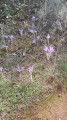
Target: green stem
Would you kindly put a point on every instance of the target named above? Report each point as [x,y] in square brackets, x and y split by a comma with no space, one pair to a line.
[31,77]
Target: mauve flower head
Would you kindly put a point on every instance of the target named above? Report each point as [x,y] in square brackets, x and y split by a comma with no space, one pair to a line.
[51,49]
[34,41]
[30,10]
[4,46]
[33,31]
[59,23]
[31,69]
[1,68]
[38,37]
[19,69]
[6,36]
[48,36]
[11,36]
[46,48]
[34,18]
[21,31]
[0,25]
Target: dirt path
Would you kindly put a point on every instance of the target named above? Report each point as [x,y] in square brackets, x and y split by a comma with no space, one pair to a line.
[53,109]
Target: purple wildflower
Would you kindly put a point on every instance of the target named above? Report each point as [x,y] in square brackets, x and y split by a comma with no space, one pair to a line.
[0,25]
[29,10]
[38,37]
[46,48]
[34,18]
[1,68]
[51,49]
[31,69]
[19,69]
[59,23]
[21,32]
[6,36]
[4,46]
[24,53]
[34,41]
[33,31]
[48,36]
[11,36]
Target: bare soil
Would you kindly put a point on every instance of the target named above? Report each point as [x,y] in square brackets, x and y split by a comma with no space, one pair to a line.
[54,108]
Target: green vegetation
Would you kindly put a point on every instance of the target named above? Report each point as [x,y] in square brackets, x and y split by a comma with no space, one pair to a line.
[33,60]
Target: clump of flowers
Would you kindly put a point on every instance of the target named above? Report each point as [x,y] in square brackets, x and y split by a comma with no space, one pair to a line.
[34,19]
[49,50]
[9,36]
[30,71]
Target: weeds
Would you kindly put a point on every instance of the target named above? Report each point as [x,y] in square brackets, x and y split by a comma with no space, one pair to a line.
[14,95]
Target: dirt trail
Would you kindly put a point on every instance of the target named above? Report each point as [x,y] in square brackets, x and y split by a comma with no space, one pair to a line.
[53,109]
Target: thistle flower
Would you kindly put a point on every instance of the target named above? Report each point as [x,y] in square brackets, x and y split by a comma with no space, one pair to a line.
[19,69]
[21,32]
[33,31]
[31,69]
[34,41]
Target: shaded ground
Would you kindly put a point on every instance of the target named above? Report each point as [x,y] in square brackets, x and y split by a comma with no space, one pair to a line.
[53,109]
